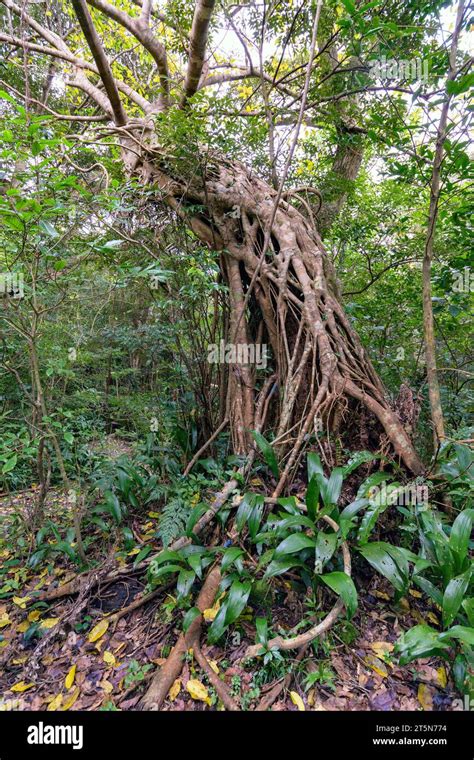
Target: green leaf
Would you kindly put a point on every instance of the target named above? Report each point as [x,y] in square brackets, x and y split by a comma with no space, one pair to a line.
[332,491]
[461,632]
[294,543]
[48,228]
[360,457]
[232,607]
[113,505]
[267,451]
[456,87]
[280,566]
[142,554]
[460,536]
[343,585]
[420,641]
[325,547]
[468,607]
[68,437]
[255,516]
[388,562]
[429,589]
[185,581]
[244,511]
[10,464]
[314,466]
[312,498]
[453,596]
[261,625]
[191,615]
[230,556]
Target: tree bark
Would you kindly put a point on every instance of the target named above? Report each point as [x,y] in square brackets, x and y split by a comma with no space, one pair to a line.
[316,356]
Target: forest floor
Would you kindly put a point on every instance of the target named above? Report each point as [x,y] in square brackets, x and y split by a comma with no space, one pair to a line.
[70,654]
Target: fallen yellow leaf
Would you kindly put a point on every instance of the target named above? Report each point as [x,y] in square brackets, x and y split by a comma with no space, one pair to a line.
[213,664]
[197,690]
[23,627]
[98,631]
[4,620]
[175,689]
[71,699]
[107,686]
[377,665]
[211,612]
[442,677]
[382,648]
[425,697]
[296,699]
[49,622]
[69,680]
[55,703]
[21,686]
[34,616]
[109,658]
[21,601]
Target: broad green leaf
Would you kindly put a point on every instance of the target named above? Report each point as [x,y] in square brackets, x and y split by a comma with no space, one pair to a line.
[312,498]
[185,581]
[267,451]
[343,585]
[420,641]
[460,537]
[10,464]
[429,589]
[325,547]
[453,596]
[230,609]
[314,465]
[461,632]
[294,543]
[386,561]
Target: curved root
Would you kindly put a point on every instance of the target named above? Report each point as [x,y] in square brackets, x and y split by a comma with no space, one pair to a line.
[306,638]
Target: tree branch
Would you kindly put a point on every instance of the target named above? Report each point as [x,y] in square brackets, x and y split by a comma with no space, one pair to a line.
[103,66]
[142,32]
[197,47]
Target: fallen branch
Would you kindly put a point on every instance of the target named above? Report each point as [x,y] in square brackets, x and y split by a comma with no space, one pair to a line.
[219,685]
[169,672]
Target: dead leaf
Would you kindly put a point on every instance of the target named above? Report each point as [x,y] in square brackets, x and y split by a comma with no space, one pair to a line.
[425,696]
[21,601]
[98,631]
[107,686]
[175,689]
[55,703]
[21,686]
[296,699]
[198,691]
[109,659]
[71,699]
[382,648]
[49,622]
[4,620]
[69,680]
[376,665]
[442,677]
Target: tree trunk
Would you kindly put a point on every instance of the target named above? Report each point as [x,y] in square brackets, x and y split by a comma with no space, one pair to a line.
[289,300]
